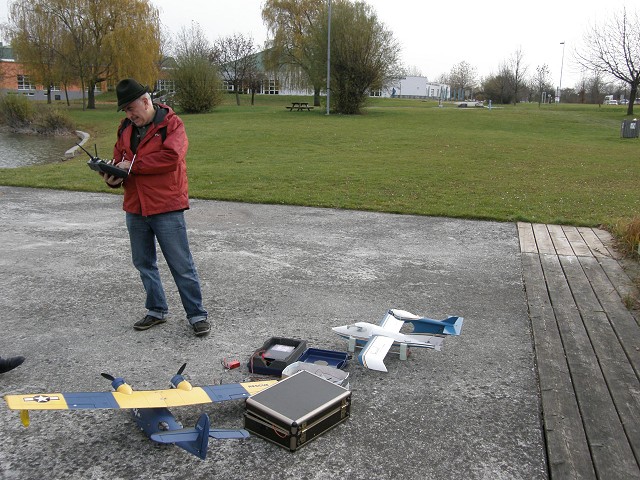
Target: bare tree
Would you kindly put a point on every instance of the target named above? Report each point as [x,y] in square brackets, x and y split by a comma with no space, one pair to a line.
[518,72]
[613,48]
[196,79]
[235,57]
[411,71]
[595,88]
[462,78]
[541,80]
[498,88]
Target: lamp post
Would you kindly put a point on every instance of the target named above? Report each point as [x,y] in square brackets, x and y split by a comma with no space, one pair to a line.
[329,58]
[561,67]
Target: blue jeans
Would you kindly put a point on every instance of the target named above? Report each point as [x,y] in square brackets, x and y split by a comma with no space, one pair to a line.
[170,230]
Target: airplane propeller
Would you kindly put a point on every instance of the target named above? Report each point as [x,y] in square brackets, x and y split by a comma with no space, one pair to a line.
[178,380]
[118,384]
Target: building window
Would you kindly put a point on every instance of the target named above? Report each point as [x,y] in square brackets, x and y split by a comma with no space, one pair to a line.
[168,86]
[375,93]
[24,83]
[227,86]
[272,87]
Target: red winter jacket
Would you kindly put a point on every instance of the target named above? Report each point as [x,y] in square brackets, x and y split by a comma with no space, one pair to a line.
[158,179]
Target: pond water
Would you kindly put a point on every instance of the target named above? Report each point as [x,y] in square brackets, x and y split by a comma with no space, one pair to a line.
[20,150]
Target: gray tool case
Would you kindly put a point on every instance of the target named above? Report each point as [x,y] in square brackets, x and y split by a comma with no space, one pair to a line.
[297,409]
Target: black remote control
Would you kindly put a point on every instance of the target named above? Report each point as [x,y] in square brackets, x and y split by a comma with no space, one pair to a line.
[99,165]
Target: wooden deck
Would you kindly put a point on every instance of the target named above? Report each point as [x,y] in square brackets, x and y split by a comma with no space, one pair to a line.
[587,346]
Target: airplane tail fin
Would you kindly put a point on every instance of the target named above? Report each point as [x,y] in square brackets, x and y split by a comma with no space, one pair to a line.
[193,440]
[454,325]
[448,326]
[199,446]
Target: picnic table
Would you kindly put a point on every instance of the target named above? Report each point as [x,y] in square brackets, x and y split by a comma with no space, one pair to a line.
[299,106]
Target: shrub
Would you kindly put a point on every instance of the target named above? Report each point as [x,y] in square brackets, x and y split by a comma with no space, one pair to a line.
[16,111]
[627,234]
[53,121]
[20,113]
[197,85]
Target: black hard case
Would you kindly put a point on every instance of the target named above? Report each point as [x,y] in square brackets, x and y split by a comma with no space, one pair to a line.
[296,410]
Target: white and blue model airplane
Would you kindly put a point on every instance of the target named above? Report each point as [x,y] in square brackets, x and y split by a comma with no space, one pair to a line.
[376,340]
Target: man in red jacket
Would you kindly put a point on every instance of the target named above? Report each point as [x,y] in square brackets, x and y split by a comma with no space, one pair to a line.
[152,146]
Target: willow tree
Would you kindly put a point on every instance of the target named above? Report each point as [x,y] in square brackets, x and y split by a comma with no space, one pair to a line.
[98,41]
[35,38]
[364,55]
[297,45]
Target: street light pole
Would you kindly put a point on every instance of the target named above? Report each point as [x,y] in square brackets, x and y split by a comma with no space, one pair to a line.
[561,67]
[329,58]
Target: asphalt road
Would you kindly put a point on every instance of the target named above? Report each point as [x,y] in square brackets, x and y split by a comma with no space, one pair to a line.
[69,297]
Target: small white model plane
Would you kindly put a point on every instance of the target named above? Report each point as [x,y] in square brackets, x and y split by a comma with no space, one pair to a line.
[376,340]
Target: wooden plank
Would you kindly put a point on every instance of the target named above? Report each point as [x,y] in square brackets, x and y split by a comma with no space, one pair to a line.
[619,278]
[578,245]
[593,242]
[567,449]
[609,243]
[543,239]
[621,379]
[559,239]
[611,453]
[527,239]
[603,275]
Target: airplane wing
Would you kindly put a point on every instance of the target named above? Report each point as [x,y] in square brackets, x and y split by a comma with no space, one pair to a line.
[173,397]
[374,351]
[391,323]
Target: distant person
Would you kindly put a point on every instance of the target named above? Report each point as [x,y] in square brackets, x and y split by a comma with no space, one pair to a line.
[10,363]
[152,145]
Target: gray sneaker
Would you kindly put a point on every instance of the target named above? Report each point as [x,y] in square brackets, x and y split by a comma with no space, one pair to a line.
[201,328]
[148,322]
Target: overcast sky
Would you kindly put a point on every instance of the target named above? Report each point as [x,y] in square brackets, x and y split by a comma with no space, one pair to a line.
[435,36]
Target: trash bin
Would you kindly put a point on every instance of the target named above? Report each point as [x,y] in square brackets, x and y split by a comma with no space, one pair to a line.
[630,128]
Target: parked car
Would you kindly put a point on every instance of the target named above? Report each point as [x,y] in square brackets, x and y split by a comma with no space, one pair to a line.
[470,103]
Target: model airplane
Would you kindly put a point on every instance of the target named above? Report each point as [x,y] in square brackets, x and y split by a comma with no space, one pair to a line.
[376,340]
[150,408]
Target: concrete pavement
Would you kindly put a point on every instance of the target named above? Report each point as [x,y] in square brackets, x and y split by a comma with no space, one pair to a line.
[69,297]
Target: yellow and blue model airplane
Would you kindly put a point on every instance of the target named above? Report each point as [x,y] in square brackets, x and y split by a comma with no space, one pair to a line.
[150,408]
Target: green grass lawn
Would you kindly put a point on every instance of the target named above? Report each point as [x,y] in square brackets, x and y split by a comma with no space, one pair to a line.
[555,164]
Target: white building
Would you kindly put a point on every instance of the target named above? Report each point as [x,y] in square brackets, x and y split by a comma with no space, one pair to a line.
[415,87]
